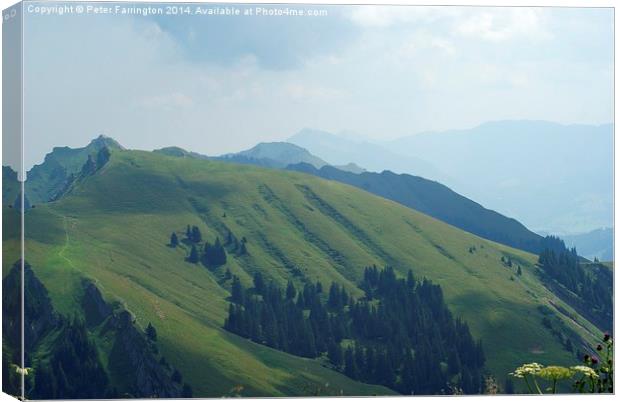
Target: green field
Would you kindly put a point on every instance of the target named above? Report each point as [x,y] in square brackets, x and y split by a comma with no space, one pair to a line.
[115,225]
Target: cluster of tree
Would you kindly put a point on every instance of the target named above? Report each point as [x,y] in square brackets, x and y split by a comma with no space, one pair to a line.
[73,369]
[400,335]
[211,255]
[592,284]
[235,245]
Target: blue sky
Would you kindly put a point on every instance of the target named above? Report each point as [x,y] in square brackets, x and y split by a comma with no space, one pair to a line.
[222,84]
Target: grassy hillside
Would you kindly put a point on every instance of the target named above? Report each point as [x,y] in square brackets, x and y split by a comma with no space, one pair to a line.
[115,225]
[436,200]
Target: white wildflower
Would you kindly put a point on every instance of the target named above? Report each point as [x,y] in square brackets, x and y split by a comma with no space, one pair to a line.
[585,370]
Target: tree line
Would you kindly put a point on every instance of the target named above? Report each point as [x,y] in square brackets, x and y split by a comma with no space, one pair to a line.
[400,334]
[593,284]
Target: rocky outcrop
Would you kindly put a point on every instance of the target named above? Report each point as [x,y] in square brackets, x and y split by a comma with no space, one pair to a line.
[39,315]
[132,349]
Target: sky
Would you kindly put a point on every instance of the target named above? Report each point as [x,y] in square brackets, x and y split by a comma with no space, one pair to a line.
[218,84]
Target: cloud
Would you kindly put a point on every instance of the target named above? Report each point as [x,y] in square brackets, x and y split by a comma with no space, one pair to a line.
[168,101]
[388,16]
[300,92]
[277,43]
[502,24]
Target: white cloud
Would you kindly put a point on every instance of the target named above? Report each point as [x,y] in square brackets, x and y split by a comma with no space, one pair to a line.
[386,16]
[503,24]
[167,101]
[302,92]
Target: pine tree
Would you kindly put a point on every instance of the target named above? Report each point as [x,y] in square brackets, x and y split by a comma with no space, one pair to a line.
[174,240]
[193,255]
[236,290]
[151,333]
[334,353]
[291,292]
[519,272]
[188,233]
[196,236]
[259,283]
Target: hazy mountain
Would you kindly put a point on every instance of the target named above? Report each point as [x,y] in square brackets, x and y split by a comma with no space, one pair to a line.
[552,177]
[598,243]
[436,200]
[342,151]
[351,167]
[275,154]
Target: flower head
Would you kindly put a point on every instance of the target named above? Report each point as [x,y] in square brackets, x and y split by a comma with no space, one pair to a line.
[555,373]
[526,369]
[585,370]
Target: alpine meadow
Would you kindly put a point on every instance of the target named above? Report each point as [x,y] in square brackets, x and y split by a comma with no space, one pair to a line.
[279,204]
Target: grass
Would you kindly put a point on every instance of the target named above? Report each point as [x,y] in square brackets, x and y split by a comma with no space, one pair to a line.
[114,227]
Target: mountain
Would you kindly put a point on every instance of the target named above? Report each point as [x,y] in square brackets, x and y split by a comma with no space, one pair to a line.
[351,167]
[551,177]
[44,181]
[598,243]
[113,229]
[275,155]
[180,153]
[436,200]
[337,150]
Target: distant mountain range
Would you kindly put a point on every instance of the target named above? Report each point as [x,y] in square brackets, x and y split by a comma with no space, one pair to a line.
[552,177]
[598,243]
[274,154]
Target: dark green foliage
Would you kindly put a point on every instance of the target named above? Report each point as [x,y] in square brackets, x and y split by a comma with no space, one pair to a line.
[187,391]
[259,283]
[237,295]
[214,254]
[74,369]
[174,240]
[592,285]
[195,235]
[151,333]
[194,257]
[176,376]
[396,317]
[227,275]
[291,292]
[103,156]
[519,271]
[509,387]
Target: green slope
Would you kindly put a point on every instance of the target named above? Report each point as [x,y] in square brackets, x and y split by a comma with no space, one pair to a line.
[114,226]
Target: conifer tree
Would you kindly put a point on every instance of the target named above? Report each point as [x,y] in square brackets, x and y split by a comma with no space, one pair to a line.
[291,292]
[174,240]
[193,255]
[196,236]
[151,333]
